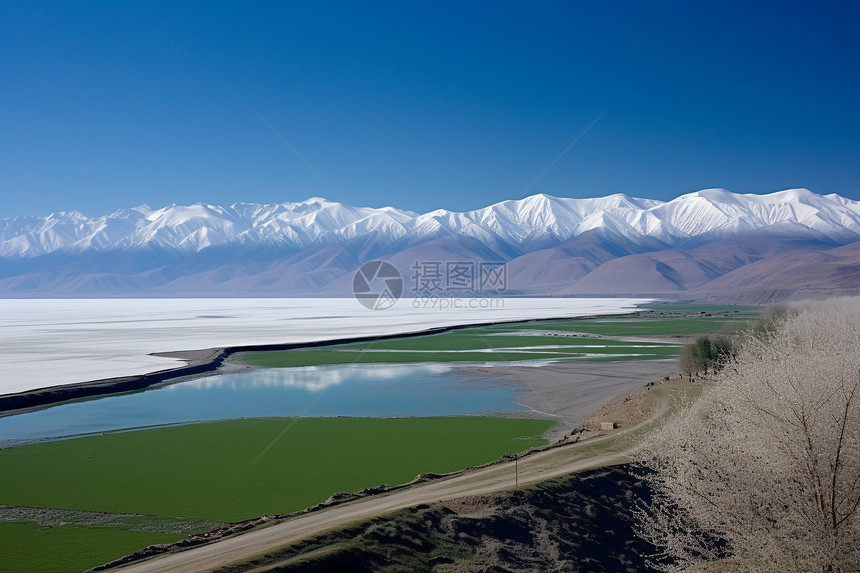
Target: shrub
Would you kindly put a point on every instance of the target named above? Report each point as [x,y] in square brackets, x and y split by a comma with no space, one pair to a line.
[706,355]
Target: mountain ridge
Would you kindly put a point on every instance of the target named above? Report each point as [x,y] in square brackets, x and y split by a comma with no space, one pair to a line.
[553,246]
[523,222]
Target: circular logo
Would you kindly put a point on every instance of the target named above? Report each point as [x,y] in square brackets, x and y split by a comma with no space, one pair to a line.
[377,285]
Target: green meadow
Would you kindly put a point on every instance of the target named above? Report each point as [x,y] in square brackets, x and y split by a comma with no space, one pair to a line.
[467,346]
[223,472]
[28,547]
[642,327]
[238,469]
[598,339]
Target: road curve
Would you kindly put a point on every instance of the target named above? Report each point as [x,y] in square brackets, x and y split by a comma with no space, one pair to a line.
[529,469]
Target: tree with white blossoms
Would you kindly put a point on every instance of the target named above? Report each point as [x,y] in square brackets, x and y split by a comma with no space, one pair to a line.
[762,472]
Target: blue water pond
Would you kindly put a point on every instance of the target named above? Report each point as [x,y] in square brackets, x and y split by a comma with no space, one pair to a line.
[338,390]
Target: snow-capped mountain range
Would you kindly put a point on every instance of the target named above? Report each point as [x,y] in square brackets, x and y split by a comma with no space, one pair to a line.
[552,245]
[539,219]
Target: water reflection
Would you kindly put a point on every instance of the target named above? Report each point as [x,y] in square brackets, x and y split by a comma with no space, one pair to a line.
[337,390]
[310,378]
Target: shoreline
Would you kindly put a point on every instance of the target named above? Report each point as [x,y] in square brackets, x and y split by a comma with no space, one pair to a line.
[571,392]
[206,361]
[64,342]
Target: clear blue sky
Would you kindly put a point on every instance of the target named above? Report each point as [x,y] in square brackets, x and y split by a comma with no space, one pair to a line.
[421,105]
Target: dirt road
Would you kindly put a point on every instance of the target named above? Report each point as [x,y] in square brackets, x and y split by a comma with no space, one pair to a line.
[527,470]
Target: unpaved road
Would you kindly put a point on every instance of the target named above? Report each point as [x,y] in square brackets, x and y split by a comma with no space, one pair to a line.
[529,469]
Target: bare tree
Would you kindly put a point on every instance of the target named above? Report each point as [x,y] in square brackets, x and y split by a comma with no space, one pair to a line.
[762,472]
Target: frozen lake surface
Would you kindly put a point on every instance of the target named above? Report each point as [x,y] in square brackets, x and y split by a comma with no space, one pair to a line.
[49,342]
[340,390]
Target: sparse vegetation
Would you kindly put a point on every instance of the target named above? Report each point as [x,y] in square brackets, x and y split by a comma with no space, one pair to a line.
[762,473]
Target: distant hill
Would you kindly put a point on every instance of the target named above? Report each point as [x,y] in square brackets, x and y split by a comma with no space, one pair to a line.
[708,245]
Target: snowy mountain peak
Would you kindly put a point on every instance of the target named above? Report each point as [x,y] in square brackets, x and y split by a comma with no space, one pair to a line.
[716,194]
[315,200]
[60,215]
[523,224]
[314,203]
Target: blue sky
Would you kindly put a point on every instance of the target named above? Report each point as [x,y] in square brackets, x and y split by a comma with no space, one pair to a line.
[423,105]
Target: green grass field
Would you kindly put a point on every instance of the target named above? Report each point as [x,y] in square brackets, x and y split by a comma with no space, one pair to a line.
[226,471]
[501,343]
[640,327]
[743,310]
[601,339]
[26,547]
[233,470]
[463,347]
